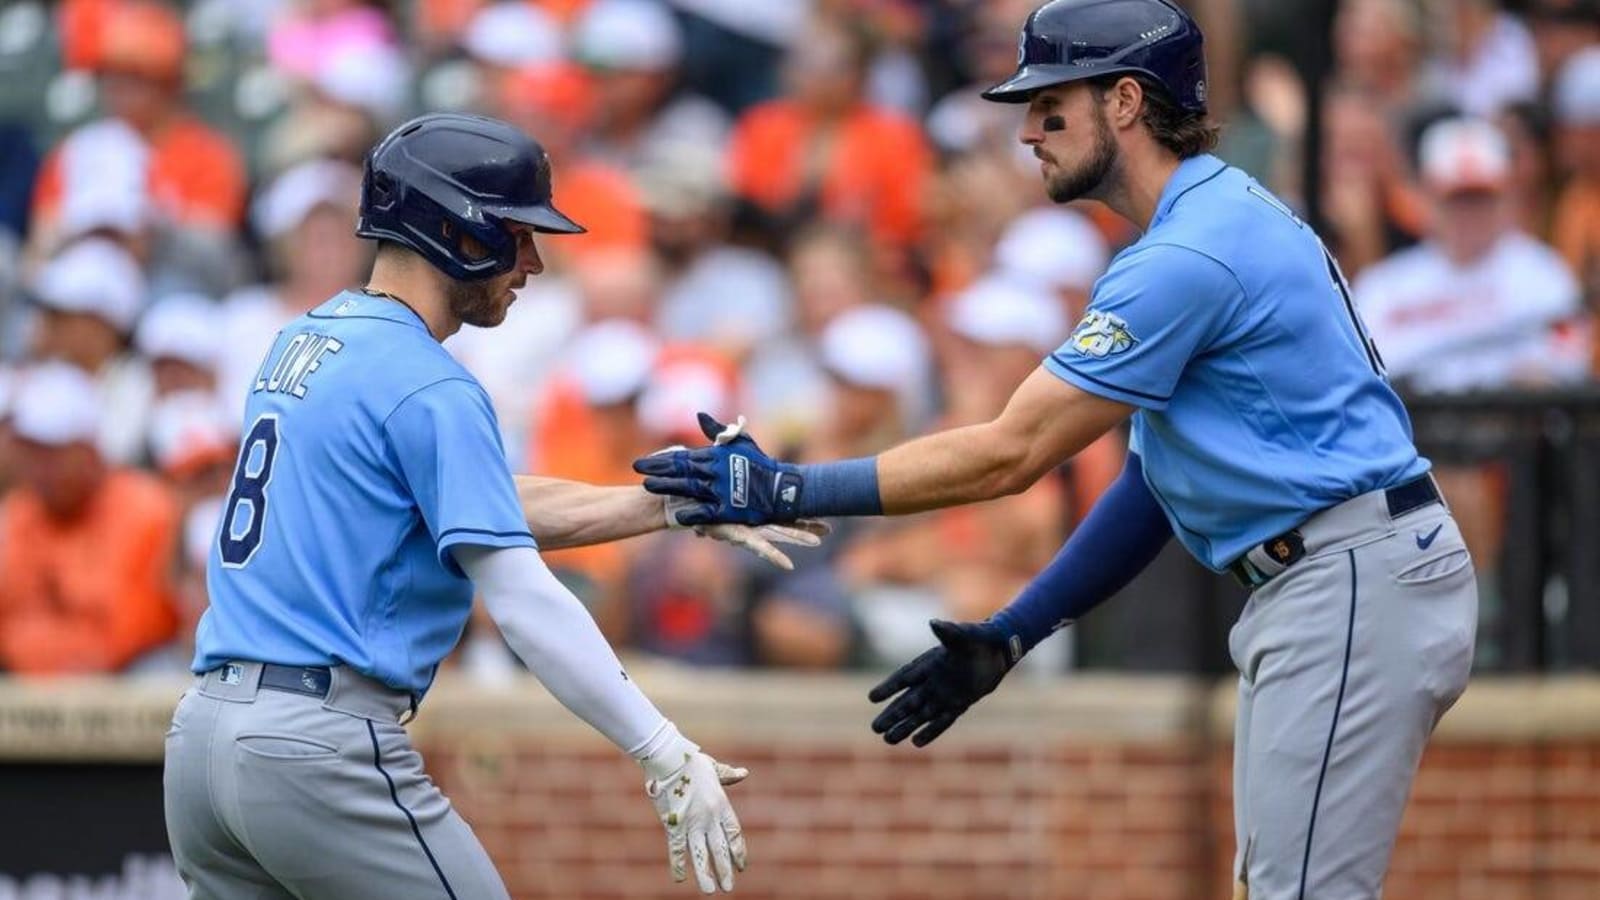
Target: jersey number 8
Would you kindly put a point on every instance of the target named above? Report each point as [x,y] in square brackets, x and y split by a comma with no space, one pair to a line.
[249,487]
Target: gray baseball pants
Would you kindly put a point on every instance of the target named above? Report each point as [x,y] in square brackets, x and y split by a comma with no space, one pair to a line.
[277,796]
[1346,662]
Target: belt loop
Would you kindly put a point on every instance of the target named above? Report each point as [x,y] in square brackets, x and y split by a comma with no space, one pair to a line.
[411,713]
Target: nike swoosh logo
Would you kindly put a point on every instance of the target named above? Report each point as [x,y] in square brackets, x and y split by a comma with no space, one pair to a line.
[1424,543]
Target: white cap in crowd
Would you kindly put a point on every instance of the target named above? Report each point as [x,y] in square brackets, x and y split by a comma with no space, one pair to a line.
[680,388]
[190,429]
[512,33]
[876,346]
[999,311]
[681,179]
[629,35]
[1055,248]
[184,327]
[56,404]
[286,202]
[104,170]
[1576,92]
[611,360]
[95,276]
[1463,155]
[374,78]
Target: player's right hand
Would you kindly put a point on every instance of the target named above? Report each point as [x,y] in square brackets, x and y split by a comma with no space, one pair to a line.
[699,819]
[942,683]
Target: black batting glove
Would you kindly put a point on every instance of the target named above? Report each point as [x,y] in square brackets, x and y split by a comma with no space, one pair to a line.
[939,685]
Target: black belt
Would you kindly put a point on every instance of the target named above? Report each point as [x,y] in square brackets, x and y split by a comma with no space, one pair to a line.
[1286,549]
[312,681]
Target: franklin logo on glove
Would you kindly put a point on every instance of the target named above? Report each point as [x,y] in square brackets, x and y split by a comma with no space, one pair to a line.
[739,473]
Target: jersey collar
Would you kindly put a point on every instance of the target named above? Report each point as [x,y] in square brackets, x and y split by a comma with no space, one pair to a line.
[1190,173]
[358,305]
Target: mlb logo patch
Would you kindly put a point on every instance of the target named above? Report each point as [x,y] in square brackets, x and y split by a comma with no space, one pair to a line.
[232,673]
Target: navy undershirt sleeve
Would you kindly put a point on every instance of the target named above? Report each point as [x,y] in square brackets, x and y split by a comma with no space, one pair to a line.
[1120,536]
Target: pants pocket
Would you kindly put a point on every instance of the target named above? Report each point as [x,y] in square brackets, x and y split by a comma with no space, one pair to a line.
[1435,568]
[290,747]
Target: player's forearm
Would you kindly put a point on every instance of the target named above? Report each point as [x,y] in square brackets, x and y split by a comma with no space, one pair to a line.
[550,631]
[1125,531]
[1043,425]
[564,513]
[963,465]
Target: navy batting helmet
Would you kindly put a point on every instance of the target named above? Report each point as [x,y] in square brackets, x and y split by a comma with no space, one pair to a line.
[442,176]
[1068,40]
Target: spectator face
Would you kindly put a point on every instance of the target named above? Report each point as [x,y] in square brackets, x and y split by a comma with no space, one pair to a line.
[1375,43]
[174,375]
[323,251]
[64,477]
[991,48]
[859,411]
[83,339]
[618,284]
[136,99]
[1005,365]
[627,97]
[1356,139]
[824,71]
[830,276]
[1469,222]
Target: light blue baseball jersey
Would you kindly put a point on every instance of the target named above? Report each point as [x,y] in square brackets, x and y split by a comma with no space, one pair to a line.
[368,453]
[1261,398]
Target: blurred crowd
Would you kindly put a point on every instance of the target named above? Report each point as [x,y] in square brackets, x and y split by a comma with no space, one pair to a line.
[798,210]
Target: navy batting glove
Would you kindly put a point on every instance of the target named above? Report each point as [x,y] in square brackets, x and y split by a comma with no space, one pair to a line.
[734,480]
[941,684]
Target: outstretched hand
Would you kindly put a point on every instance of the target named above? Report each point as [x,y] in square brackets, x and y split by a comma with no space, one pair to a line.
[731,481]
[938,686]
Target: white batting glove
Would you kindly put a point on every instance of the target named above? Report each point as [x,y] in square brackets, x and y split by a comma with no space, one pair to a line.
[686,787]
[760,539]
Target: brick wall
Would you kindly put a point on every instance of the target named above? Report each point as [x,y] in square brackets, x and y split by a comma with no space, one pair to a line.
[1088,788]
[1099,790]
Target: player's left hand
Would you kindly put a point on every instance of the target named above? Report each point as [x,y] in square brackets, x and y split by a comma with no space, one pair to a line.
[731,481]
[942,683]
[700,822]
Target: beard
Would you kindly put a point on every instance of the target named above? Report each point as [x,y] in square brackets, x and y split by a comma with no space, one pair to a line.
[476,302]
[1067,185]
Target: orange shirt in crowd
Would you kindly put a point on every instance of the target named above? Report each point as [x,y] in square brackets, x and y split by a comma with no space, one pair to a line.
[567,441]
[196,177]
[874,172]
[89,596]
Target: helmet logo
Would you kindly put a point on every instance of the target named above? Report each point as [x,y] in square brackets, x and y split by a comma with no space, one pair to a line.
[1022,47]
[1155,32]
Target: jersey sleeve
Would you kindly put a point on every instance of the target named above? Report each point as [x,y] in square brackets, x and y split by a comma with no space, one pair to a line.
[446,445]
[1156,309]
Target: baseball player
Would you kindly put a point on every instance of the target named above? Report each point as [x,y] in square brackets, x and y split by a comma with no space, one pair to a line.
[1265,437]
[371,497]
